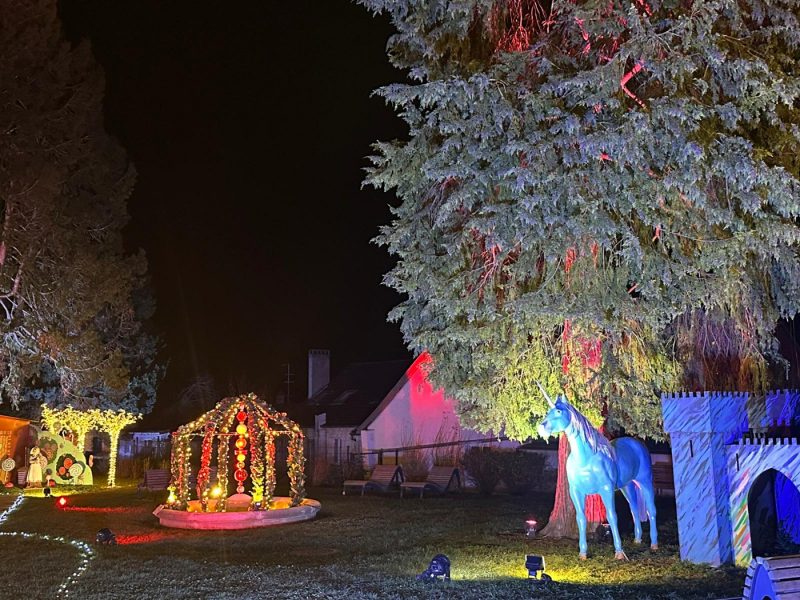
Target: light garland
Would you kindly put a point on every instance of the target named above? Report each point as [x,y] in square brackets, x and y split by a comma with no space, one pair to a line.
[80,422]
[240,475]
[248,421]
[113,422]
[85,551]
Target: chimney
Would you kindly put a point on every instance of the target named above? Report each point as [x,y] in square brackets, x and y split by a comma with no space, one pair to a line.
[319,370]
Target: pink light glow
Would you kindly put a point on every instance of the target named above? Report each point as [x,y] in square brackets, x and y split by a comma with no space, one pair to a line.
[143,538]
[104,509]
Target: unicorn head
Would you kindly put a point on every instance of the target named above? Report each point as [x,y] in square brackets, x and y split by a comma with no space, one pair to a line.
[557,418]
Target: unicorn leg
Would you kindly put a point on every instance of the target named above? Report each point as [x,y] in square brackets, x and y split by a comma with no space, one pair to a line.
[607,495]
[650,503]
[629,491]
[579,501]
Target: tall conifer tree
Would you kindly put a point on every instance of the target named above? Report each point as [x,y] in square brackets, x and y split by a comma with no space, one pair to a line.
[71,300]
[592,194]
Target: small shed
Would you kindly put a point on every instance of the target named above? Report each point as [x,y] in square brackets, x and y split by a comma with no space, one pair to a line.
[15,437]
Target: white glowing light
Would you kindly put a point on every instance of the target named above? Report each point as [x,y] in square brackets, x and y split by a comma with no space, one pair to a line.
[85,551]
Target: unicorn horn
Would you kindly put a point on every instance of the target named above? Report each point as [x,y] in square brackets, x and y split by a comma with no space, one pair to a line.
[546,397]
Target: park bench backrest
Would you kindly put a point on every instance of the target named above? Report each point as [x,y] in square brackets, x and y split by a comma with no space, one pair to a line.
[663,477]
[156,479]
[386,474]
[442,476]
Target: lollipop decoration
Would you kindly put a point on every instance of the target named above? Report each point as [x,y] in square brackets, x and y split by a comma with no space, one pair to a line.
[240,475]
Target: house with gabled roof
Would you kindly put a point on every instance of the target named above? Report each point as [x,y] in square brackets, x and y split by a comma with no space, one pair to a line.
[374,406]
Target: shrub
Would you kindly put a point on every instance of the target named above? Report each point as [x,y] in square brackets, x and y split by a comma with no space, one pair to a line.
[449,455]
[521,472]
[133,467]
[415,461]
[333,475]
[481,466]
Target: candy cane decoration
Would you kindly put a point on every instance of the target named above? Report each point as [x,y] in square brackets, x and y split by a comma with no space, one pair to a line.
[626,78]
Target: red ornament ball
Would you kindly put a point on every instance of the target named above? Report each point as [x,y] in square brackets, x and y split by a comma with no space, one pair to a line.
[241,443]
[240,475]
[241,416]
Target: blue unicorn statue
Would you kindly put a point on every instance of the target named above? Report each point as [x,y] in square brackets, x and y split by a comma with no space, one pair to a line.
[597,466]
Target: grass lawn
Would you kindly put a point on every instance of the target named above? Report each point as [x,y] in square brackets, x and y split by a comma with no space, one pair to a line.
[369,547]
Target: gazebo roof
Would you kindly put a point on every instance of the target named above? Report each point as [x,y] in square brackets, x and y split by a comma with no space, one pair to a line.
[227,408]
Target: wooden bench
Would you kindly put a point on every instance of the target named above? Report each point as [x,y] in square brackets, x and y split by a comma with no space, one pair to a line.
[663,478]
[437,481]
[382,478]
[155,480]
[775,578]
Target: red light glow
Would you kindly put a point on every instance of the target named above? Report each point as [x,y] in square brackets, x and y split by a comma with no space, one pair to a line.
[104,509]
[62,501]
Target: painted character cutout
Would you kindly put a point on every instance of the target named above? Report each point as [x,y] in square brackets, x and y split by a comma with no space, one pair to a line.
[34,477]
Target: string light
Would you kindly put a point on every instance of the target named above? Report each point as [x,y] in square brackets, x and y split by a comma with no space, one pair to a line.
[80,422]
[113,422]
[84,550]
[253,426]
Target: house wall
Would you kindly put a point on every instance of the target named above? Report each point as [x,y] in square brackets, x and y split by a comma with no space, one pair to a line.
[326,446]
[417,415]
[156,443]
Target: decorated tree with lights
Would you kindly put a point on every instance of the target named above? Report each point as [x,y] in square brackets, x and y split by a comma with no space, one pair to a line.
[112,422]
[70,314]
[78,422]
[595,195]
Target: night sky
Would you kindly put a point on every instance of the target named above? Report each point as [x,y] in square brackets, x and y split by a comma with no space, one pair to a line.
[249,124]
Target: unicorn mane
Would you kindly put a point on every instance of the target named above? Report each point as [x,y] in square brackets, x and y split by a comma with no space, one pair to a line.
[584,429]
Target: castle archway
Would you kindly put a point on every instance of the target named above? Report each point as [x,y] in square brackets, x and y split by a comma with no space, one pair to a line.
[773,505]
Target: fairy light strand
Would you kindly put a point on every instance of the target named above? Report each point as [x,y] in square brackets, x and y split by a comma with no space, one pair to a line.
[85,551]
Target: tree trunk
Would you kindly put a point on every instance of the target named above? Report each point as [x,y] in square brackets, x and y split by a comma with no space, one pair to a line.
[562,520]
[595,512]
[112,458]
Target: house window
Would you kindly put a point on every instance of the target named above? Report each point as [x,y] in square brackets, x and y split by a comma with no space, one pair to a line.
[337,451]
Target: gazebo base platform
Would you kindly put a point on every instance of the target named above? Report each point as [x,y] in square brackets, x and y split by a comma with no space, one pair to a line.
[281,513]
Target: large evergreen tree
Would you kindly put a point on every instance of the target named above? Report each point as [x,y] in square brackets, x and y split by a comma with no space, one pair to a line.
[595,194]
[71,300]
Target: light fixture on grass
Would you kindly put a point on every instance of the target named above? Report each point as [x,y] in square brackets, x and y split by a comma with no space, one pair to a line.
[535,566]
[531,527]
[106,536]
[603,532]
[439,567]
[46,491]
[62,502]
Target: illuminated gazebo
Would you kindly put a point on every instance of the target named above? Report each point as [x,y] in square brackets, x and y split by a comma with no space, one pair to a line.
[238,446]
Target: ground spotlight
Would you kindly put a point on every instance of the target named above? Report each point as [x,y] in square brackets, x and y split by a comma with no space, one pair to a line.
[603,532]
[535,566]
[46,491]
[531,527]
[106,536]
[62,501]
[439,567]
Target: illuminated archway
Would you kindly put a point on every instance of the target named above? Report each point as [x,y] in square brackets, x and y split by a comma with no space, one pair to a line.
[244,429]
[772,505]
